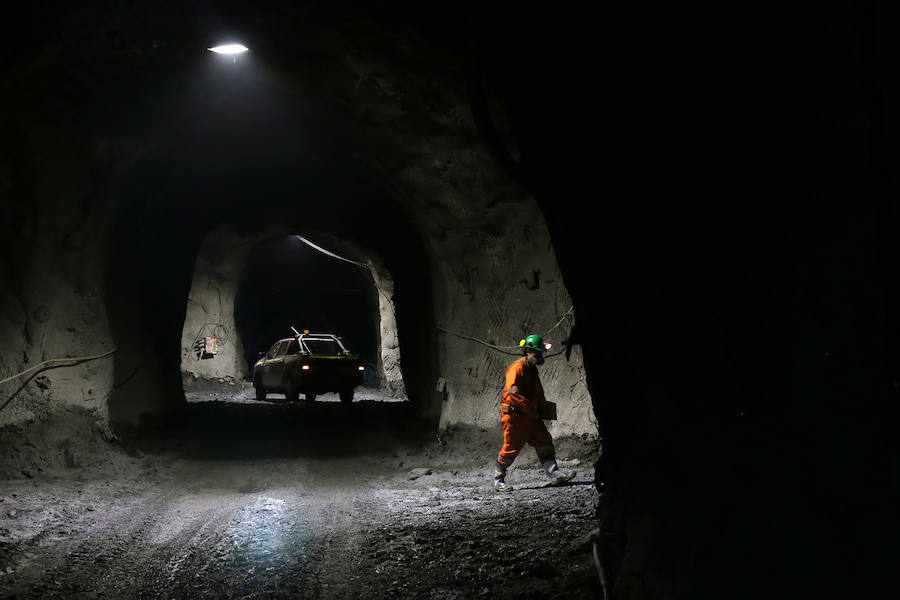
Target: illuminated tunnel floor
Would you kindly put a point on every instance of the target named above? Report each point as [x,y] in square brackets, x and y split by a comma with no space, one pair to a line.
[297,519]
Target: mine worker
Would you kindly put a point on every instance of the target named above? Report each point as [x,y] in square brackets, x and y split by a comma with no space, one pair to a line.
[522,410]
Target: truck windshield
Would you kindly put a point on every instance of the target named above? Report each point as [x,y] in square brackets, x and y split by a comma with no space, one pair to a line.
[323,347]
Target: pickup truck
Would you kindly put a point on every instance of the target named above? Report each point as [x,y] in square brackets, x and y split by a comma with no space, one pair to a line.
[308,363]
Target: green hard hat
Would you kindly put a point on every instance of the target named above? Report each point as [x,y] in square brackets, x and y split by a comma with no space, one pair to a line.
[534,342]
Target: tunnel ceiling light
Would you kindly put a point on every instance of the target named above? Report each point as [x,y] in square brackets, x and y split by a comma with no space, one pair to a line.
[229,49]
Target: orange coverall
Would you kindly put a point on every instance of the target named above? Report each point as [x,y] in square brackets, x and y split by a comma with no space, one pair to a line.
[522,395]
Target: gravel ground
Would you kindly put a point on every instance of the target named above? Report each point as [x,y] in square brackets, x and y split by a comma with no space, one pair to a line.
[249,499]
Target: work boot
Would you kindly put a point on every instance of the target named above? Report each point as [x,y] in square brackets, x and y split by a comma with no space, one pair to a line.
[500,484]
[557,476]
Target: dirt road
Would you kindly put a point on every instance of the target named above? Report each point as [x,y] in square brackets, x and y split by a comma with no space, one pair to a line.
[232,506]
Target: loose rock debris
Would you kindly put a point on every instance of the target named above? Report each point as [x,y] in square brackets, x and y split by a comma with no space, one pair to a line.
[187,524]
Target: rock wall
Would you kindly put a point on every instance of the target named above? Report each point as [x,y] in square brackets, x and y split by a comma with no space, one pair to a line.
[495,278]
[490,262]
[51,284]
[210,308]
[389,360]
[499,300]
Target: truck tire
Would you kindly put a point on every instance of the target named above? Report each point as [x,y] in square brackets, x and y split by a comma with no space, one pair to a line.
[260,390]
[346,396]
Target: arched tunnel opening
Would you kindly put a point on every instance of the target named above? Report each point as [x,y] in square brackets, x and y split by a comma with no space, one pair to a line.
[290,284]
[696,209]
[254,381]
[247,294]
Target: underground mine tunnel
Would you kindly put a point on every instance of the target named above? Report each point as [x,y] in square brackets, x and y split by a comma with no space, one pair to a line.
[697,208]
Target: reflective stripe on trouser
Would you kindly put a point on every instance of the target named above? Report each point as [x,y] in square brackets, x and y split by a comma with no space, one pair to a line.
[519,430]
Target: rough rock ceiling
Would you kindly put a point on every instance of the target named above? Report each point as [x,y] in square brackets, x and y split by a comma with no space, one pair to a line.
[364,96]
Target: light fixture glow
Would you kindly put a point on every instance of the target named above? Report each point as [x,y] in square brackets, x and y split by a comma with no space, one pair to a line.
[229,49]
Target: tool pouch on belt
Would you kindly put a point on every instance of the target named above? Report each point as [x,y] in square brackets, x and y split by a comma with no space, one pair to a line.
[547,410]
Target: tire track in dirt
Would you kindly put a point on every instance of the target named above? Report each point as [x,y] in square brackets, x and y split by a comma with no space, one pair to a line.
[92,555]
[295,528]
[338,573]
[266,547]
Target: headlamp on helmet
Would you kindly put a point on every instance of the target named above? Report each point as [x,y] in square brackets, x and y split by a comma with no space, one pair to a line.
[534,342]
